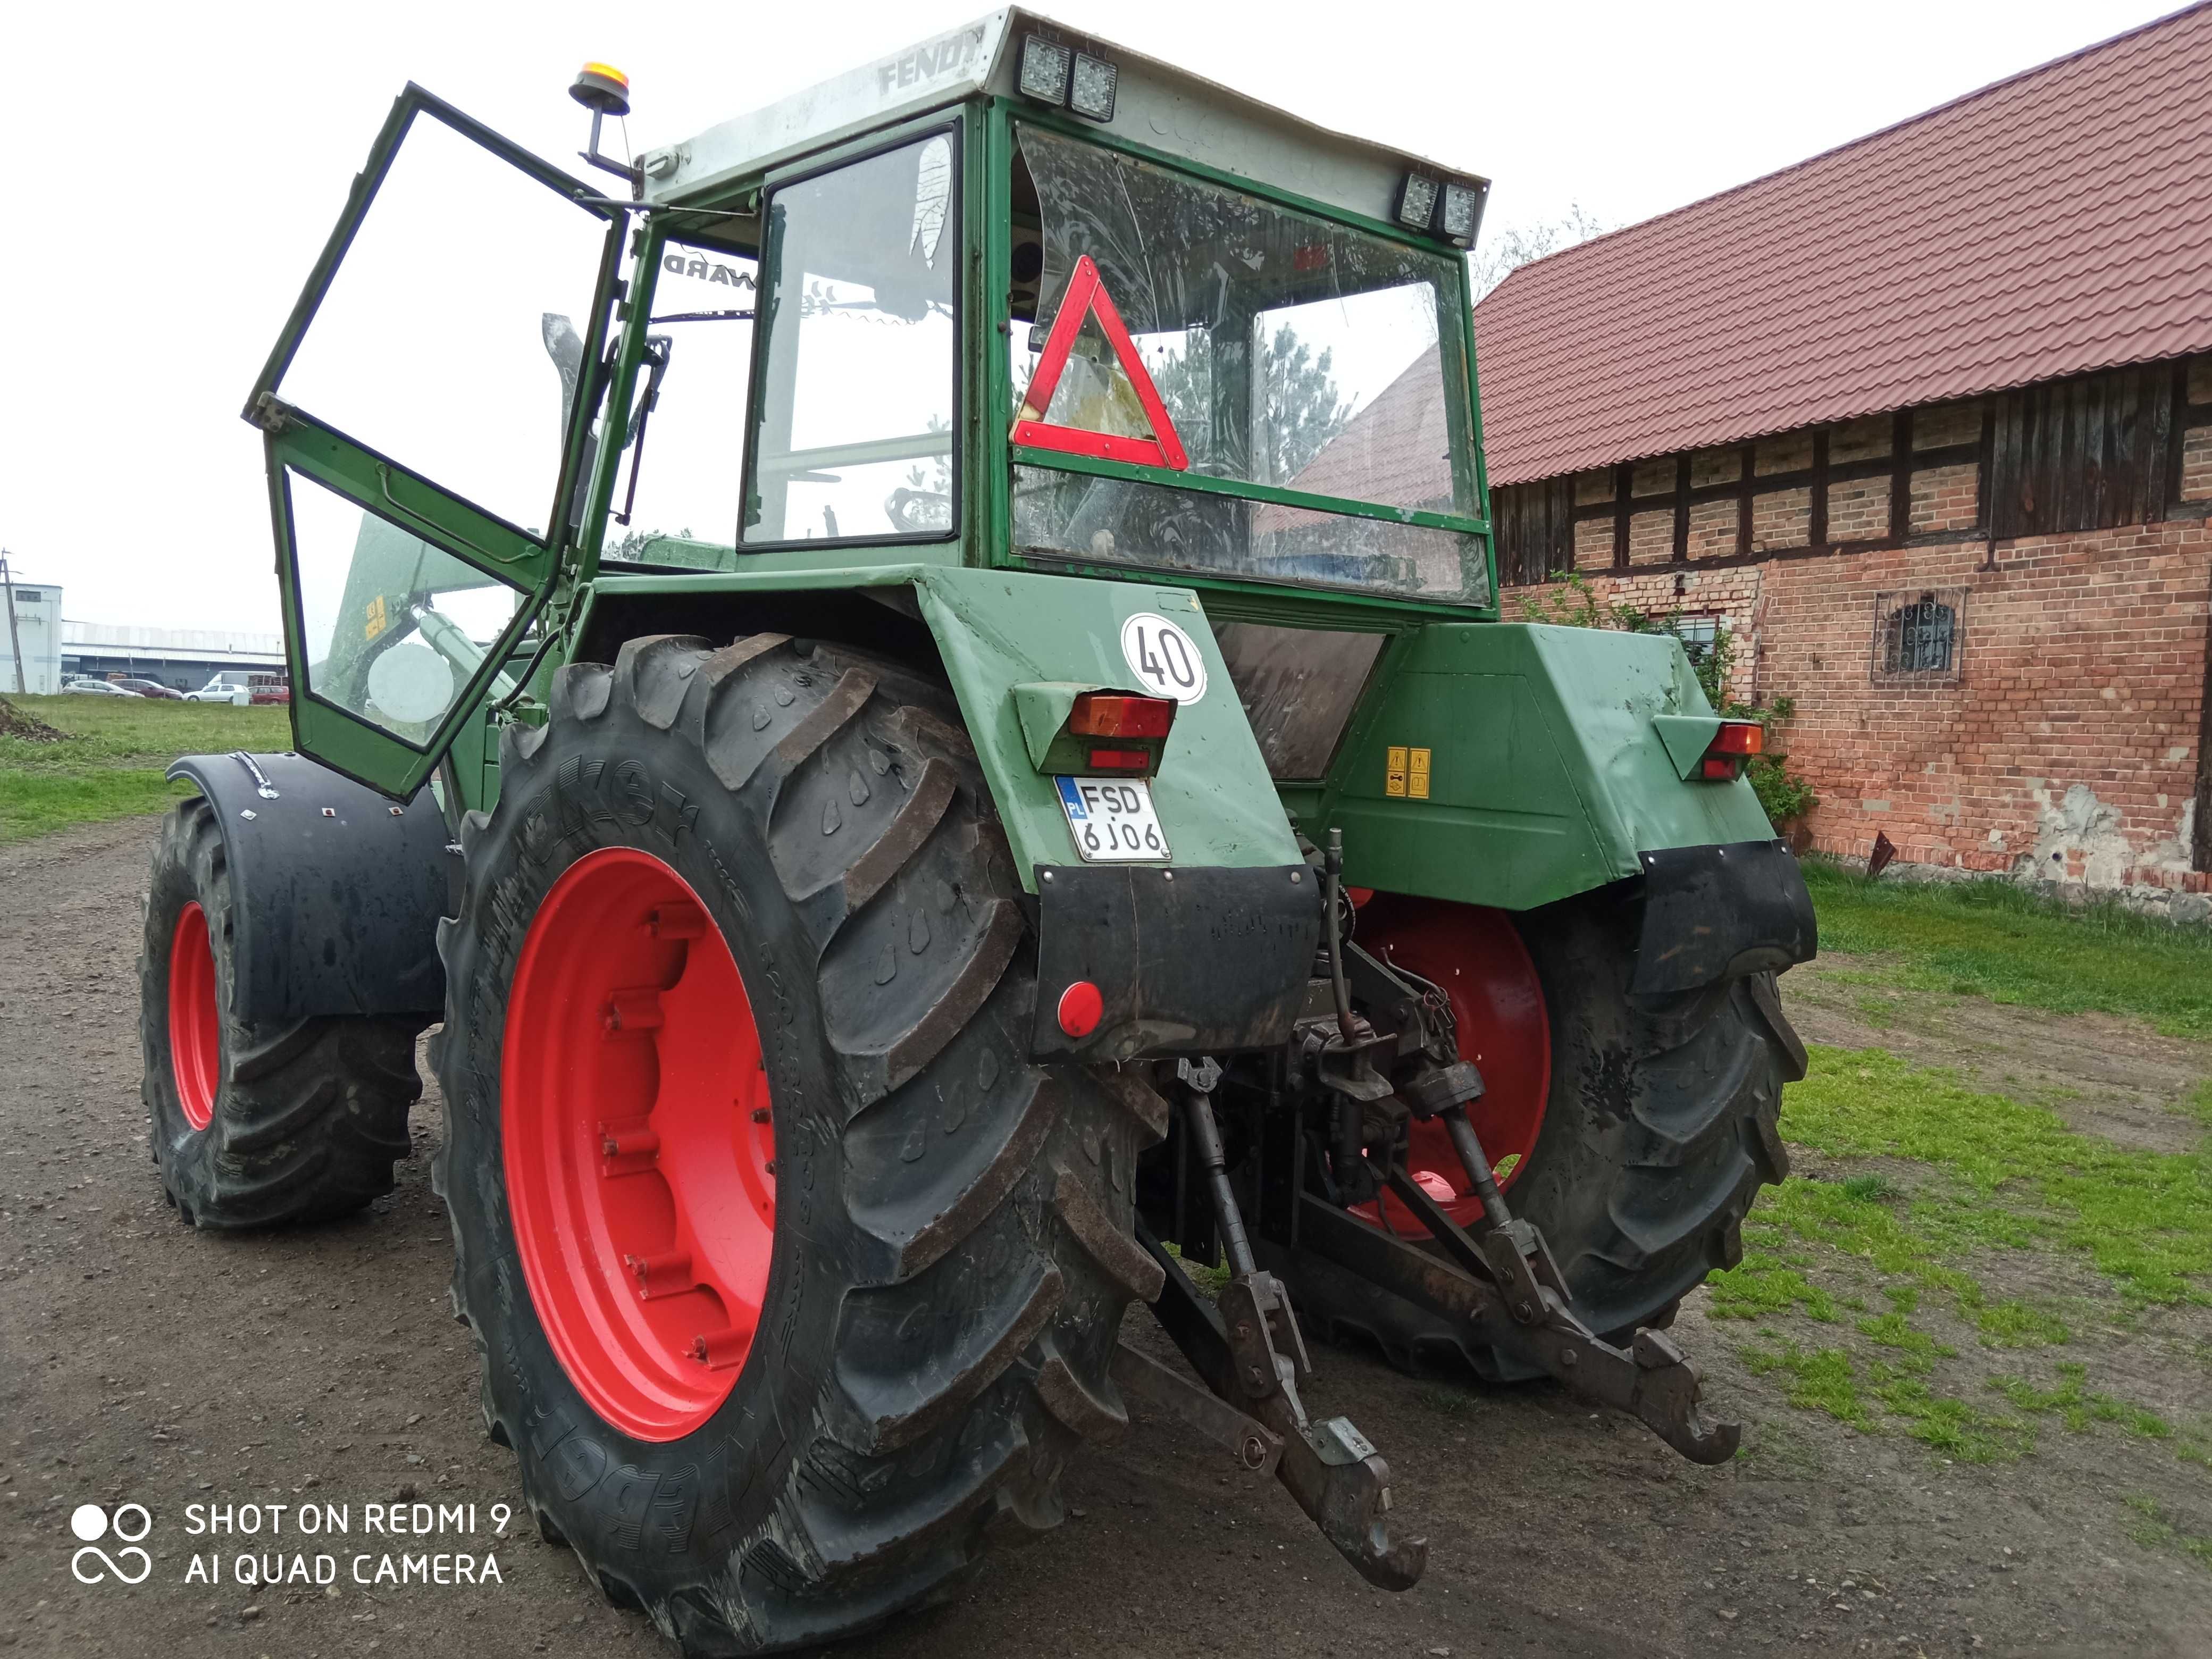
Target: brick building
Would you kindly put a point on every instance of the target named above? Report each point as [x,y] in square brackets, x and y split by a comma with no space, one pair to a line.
[1926,421]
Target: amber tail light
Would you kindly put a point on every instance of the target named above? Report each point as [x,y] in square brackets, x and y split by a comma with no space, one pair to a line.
[1116,714]
[1734,743]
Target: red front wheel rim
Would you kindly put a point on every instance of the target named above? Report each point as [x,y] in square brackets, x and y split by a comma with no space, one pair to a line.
[1476,956]
[195,1020]
[639,1148]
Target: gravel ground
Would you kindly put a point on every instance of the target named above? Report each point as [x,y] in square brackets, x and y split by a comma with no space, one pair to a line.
[142,1362]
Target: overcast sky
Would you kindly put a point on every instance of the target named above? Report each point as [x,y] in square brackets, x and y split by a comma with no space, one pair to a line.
[216,142]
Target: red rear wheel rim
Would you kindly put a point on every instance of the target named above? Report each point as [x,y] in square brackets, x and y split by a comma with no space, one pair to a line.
[195,1022]
[1475,954]
[640,1154]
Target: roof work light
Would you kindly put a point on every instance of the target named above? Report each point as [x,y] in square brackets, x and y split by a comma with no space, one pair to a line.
[1449,208]
[1067,79]
[1091,93]
[1417,201]
[1461,215]
[1045,66]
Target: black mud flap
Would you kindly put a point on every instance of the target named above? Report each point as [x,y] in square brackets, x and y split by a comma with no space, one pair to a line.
[1717,912]
[1185,961]
[338,892]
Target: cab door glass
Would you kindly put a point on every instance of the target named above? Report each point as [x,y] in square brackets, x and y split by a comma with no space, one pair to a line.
[434,345]
[390,628]
[857,391]
[678,492]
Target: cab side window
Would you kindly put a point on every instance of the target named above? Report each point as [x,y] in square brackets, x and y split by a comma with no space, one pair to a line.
[857,393]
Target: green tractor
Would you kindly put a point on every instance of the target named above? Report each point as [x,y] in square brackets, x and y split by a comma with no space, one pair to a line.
[950,757]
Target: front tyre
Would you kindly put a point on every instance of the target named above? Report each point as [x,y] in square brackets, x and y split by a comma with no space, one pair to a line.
[254,1123]
[794,1279]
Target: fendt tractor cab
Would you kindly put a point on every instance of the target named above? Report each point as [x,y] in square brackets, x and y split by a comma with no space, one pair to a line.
[919,685]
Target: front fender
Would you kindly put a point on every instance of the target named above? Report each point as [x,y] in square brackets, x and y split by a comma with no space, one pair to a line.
[336,893]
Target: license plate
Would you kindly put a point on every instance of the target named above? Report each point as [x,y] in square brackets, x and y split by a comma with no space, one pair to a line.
[1112,820]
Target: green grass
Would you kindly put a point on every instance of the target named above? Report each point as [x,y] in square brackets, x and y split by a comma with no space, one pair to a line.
[2153,1531]
[2078,1406]
[1994,939]
[110,765]
[1207,1278]
[2016,1176]
[37,803]
[1978,1172]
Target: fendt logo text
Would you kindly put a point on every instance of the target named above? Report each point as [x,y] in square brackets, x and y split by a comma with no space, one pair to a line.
[91,1524]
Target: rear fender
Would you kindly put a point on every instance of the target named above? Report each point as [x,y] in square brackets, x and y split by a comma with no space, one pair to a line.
[1205,950]
[997,629]
[336,892]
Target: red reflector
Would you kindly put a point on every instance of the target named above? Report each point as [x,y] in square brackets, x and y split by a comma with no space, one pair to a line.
[1738,737]
[1111,714]
[1718,767]
[1120,760]
[1081,1006]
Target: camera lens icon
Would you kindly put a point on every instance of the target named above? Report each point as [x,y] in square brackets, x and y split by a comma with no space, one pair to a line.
[90,1522]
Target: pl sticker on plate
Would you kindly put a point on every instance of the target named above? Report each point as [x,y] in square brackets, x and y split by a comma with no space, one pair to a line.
[1163,657]
[1112,820]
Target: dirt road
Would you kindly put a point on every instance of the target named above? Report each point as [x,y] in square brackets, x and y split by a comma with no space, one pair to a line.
[142,1362]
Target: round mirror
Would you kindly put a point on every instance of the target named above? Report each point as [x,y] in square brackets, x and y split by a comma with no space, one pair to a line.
[410,683]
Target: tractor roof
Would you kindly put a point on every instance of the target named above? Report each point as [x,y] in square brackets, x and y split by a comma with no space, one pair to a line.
[1155,105]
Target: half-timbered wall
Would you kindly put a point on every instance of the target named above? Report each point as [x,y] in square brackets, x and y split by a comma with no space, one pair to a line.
[1994,615]
[2133,446]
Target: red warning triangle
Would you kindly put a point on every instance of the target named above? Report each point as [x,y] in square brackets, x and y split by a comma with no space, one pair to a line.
[1086,296]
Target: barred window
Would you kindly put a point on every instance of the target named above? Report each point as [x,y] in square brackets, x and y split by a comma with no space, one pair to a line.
[1697,634]
[1917,637]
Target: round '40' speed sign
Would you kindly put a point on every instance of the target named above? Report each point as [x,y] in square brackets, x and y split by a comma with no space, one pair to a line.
[1165,659]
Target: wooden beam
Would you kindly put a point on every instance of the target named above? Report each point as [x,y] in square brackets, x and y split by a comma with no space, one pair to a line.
[1838,472]
[1816,531]
[2178,422]
[1900,476]
[1682,507]
[1985,470]
[1623,509]
[1745,490]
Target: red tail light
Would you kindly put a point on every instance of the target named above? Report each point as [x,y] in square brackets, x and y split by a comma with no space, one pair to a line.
[1738,737]
[1120,760]
[1113,714]
[1725,754]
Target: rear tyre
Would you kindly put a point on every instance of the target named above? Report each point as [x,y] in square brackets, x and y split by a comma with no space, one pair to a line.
[254,1123]
[1658,1129]
[948,1248]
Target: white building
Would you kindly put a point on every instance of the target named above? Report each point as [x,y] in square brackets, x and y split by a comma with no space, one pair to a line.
[184,658]
[38,626]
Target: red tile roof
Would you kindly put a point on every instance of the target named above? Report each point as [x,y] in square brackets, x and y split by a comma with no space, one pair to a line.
[2054,223]
[1396,451]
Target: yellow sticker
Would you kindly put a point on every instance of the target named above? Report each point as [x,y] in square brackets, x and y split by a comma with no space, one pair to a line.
[1417,783]
[1394,770]
[378,619]
[1417,759]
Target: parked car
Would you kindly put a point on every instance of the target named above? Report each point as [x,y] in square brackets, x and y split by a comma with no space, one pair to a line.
[85,685]
[232,685]
[150,688]
[269,689]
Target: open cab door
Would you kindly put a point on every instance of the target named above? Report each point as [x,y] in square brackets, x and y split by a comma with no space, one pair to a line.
[424,412]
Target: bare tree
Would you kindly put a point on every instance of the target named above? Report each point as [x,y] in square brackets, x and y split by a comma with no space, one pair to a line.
[1505,251]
